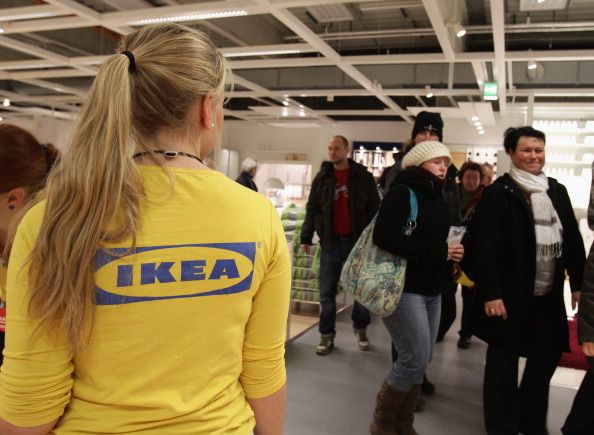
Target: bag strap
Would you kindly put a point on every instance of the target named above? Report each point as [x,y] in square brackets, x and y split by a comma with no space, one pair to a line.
[411,221]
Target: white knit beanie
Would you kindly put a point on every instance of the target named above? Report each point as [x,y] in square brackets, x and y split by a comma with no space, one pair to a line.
[424,151]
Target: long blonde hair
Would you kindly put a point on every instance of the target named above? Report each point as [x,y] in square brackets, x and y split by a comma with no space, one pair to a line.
[93,195]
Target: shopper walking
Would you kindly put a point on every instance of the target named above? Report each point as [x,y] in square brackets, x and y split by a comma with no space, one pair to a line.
[249,167]
[24,165]
[137,301]
[429,127]
[470,189]
[342,201]
[524,239]
[413,326]
[580,420]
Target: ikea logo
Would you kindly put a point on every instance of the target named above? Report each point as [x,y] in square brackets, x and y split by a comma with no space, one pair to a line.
[171,272]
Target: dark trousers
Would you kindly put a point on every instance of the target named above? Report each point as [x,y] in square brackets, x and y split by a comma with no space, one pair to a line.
[448,310]
[468,312]
[509,409]
[580,420]
[331,261]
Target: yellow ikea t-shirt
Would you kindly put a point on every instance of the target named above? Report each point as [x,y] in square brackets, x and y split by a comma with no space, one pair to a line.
[185,328]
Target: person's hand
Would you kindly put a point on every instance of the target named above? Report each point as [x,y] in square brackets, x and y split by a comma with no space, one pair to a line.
[496,308]
[456,271]
[588,348]
[306,248]
[575,299]
[455,253]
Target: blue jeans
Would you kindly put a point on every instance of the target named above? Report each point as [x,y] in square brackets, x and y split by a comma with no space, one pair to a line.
[413,328]
[331,261]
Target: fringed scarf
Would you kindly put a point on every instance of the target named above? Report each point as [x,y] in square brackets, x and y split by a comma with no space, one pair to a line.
[547,226]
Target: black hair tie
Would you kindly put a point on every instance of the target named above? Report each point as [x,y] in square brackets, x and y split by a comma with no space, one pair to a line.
[132,60]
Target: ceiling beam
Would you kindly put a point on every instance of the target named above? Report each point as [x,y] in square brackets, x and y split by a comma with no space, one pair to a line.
[93,17]
[299,28]
[30,12]
[480,72]
[280,98]
[56,87]
[498,22]
[40,52]
[441,32]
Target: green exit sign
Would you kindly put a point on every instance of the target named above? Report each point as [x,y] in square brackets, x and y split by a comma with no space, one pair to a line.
[490,91]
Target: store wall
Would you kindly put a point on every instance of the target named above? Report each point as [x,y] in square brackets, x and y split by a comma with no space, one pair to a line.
[47,130]
[266,143]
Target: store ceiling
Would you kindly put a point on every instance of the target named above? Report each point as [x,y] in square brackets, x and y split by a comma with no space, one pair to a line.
[298,61]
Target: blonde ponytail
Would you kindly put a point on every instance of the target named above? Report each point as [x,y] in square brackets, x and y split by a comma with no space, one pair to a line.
[93,195]
[89,189]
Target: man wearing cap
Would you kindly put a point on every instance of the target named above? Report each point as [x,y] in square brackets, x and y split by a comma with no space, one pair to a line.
[342,201]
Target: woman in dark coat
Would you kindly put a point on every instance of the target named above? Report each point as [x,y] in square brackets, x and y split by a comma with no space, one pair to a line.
[413,326]
[524,239]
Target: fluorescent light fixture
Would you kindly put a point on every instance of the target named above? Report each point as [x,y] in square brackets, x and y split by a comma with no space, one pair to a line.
[189,17]
[263,53]
[532,65]
[6,102]
[429,93]
[481,132]
[458,30]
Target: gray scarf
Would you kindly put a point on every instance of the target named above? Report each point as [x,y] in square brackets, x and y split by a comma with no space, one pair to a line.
[547,226]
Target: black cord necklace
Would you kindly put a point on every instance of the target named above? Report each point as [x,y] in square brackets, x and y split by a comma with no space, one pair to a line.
[169,154]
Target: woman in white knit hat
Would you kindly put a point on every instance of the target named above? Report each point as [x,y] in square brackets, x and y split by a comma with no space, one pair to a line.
[414,325]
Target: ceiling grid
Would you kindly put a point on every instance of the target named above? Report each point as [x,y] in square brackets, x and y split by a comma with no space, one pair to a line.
[318,60]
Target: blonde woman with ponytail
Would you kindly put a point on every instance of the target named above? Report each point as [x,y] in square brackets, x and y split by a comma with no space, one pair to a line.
[147,294]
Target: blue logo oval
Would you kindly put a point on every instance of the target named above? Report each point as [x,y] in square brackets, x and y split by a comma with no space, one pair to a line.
[152,273]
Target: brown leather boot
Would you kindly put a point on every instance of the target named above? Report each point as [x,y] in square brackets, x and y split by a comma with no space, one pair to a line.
[405,414]
[386,405]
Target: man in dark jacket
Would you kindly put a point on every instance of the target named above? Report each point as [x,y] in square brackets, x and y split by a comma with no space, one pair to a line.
[342,201]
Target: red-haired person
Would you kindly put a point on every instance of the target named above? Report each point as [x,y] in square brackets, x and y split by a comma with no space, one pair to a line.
[24,165]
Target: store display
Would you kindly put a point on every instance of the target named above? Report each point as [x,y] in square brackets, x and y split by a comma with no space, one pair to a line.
[304,287]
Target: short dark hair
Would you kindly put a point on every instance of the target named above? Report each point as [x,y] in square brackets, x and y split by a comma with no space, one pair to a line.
[344,140]
[470,166]
[513,134]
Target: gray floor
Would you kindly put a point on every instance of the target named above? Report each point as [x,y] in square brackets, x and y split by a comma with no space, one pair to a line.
[335,394]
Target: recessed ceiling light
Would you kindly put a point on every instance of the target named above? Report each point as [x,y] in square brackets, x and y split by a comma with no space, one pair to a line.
[475,118]
[6,102]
